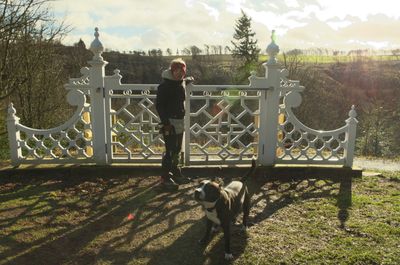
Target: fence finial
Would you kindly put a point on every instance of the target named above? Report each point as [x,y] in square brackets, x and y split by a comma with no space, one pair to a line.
[12,112]
[96,46]
[352,115]
[352,112]
[272,49]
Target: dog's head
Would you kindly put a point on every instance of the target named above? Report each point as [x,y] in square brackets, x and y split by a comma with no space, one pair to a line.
[207,192]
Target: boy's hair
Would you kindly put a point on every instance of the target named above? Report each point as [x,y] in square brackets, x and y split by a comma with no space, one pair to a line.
[178,63]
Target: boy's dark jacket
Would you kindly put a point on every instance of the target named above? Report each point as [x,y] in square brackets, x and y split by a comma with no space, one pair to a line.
[170,98]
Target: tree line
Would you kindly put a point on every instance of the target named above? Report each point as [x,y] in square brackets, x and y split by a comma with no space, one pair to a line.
[188,51]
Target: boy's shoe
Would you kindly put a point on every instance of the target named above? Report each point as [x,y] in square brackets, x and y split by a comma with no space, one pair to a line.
[168,182]
[179,178]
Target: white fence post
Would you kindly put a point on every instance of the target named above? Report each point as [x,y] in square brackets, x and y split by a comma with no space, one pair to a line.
[269,108]
[262,130]
[13,135]
[98,112]
[350,137]
[186,140]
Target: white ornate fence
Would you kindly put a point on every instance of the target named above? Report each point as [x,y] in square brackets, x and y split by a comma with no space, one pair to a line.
[224,124]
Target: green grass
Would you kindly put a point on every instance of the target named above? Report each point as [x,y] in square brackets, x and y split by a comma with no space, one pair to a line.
[83,220]
[334,59]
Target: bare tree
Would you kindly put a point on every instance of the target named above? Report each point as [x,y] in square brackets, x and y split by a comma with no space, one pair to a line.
[207,48]
[186,51]
[219,49]
[227,49]
[19,20]
[214,49]
[30,72]
[396,52]
[195,50]
[293,63]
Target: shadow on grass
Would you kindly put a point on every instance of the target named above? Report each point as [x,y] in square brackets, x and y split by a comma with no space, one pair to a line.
[186,250]
[276,194]
[344,201]
[83,220]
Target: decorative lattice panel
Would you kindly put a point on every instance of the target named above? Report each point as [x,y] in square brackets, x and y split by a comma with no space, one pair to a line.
[299,144]
[133,124]
[223,125]
[67,143]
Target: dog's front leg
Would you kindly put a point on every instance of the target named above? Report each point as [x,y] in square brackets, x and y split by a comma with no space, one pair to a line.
[227,237]
[207,233]
[246,211]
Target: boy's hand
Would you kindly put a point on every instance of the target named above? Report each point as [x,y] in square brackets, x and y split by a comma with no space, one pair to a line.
[189,79]
[167,129]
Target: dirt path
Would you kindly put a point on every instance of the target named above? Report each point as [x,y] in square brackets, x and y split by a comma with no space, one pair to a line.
[377,164]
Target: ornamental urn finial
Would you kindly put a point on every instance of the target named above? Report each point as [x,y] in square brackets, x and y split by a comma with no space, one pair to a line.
[96,46]
[352,112]
[272,49]
[12,113]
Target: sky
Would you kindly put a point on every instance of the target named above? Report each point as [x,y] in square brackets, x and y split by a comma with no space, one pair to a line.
[127,25]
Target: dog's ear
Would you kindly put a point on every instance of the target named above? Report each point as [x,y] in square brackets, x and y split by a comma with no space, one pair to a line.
[218,180]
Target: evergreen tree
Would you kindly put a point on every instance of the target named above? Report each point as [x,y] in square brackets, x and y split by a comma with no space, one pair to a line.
[245,46]
[81,44]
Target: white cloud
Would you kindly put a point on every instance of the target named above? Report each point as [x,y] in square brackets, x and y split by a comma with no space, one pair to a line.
[234,6]
[280,22]
[292,3]
[361,9]
[142,25]
[213,12]
[374,44]
[336,25]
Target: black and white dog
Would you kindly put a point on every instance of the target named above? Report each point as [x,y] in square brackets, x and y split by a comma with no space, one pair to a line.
[222,203]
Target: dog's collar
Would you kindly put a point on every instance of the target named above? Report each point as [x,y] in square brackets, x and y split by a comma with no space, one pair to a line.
[213,208]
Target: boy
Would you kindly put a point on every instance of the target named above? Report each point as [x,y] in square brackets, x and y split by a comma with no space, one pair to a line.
[171,110]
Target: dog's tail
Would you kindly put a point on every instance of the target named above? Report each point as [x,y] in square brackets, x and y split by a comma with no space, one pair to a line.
[251,170]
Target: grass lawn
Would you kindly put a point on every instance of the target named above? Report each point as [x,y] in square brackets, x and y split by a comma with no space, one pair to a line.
[84,220]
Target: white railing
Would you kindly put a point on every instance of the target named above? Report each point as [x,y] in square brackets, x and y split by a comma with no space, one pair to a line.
[300,144]
[224,124]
